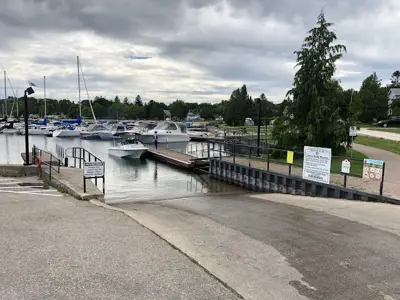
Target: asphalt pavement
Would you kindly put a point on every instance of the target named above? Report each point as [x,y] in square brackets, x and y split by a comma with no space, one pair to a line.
[56,247]
[285,247]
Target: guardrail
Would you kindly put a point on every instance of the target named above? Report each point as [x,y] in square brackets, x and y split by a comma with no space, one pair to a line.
[270,155]
[81,158]
[46,158]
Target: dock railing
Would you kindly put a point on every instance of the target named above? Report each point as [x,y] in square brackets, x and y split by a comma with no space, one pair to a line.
[271,157]
[45,158]
[80,156]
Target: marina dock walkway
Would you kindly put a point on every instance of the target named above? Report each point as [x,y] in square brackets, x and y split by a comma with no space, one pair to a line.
[55,247]
[175,158]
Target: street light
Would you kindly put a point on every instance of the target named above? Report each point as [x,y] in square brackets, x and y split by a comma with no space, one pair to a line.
[259,126]
[28,91]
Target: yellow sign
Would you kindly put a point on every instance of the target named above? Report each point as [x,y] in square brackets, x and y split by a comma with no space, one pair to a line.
[289,158]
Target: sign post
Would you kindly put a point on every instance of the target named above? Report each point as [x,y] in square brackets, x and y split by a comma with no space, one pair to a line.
[345,170]
[352,133]
[317,164]
[289,160]
[374,170]
[93,170]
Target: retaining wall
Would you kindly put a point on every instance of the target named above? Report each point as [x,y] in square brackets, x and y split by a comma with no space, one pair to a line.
[17,171]
[271,182]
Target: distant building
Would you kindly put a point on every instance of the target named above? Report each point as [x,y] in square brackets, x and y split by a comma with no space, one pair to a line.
[394,93]
[193,117]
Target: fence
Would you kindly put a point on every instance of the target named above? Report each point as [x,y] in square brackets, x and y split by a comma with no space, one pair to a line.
[81,156]
[47,159]
[275,160]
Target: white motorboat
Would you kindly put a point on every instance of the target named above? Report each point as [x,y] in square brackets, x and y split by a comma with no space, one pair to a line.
[67,132]
[130,148]
[96,132]
[9,128]
[37,130]
[167,132]
[198,135]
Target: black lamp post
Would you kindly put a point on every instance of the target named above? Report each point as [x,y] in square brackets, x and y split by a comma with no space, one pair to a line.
[28,91]
[258,125]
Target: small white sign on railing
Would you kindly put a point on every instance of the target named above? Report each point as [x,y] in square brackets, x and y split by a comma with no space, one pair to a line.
[93,169]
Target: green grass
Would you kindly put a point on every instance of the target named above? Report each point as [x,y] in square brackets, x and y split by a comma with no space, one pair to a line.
[383,144]
[336,164]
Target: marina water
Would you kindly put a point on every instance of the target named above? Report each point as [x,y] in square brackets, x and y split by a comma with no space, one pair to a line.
[126,180]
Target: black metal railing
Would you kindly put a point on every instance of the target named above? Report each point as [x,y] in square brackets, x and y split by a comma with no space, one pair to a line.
[80,156]
[270,157]
[44,158]
[60,152]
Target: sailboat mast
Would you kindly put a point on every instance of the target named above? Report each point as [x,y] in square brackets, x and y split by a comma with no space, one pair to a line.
[16,95]
[79,88]
[44,86]
[5,94]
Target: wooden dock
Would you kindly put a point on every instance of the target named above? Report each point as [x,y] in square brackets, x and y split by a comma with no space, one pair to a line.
[176,158]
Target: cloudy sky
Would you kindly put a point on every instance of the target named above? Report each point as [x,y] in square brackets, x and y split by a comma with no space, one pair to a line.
[201,49]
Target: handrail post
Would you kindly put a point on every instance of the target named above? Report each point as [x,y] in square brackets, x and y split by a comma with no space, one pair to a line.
[383,178]
[51,158]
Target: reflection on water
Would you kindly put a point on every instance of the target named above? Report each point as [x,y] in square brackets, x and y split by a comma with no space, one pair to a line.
[126,180]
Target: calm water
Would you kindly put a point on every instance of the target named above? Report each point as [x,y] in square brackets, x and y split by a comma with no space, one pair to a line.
[126,180]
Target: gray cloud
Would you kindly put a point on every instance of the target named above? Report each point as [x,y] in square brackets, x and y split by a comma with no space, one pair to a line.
[216,43]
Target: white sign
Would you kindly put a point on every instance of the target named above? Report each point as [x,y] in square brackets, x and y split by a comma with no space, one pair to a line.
[346,166]
[93,169]
[317,164]
[353,131]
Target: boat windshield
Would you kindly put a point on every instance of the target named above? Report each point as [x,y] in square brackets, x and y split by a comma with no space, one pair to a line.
[166,126]
[129,141]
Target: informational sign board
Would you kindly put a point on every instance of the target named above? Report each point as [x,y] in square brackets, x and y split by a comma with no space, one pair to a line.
[317,164]
[353,131]
[346,166]
[373,169]
[289,157]
[93,169]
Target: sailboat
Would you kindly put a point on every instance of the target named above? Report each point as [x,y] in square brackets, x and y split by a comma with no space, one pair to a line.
[68,129]
[40,127]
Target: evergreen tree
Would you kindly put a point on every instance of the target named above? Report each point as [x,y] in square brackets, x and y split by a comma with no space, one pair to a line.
[374,100]
[395,79]
[313,115]
[138,101]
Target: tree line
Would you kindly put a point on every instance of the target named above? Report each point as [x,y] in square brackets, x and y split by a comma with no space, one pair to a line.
[234,111]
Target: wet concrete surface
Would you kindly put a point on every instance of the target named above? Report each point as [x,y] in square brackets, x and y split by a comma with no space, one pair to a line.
[340,258]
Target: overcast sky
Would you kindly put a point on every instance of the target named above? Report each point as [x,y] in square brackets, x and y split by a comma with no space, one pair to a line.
[201,49]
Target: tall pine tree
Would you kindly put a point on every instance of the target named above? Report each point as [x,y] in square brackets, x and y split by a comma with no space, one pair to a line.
[313,116]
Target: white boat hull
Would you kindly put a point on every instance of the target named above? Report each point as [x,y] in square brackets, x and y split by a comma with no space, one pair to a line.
[9,131]
[66,133]
[126,153]
[164,138]
[129,150]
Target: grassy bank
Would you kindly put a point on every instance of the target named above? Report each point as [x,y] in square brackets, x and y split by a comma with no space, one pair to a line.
[336,164]
[383,144]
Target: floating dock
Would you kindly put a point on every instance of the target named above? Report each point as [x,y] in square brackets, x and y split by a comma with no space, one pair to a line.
[176,158]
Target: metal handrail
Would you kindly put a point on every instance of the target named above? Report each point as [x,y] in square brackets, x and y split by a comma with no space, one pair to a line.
[80,155]
[36,152]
